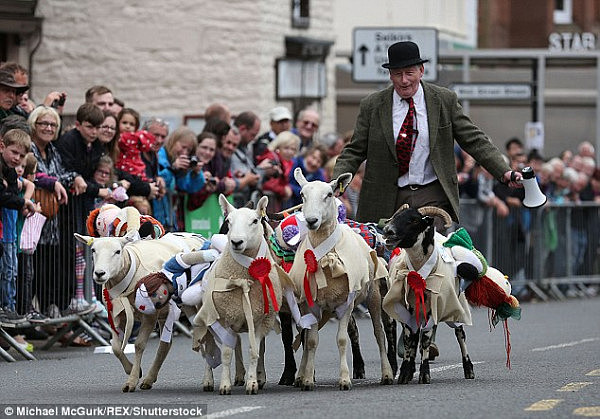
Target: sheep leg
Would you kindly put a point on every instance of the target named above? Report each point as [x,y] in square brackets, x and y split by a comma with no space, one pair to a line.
[310,348]
[261,374]
[252,381]
[374,304]
[389,327]
[424,374]
[300,378]
[226,355]
[118,352]
[358,364]
[461,337]
[240,371]
[208,383]
[342,342]
[146,327]
[287,338]
[159,359]
[410,340]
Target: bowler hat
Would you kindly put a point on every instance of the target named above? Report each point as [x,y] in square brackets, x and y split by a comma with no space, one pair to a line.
[8,79]
[403,54]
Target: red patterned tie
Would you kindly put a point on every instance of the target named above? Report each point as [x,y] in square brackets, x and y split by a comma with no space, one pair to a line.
[405,144]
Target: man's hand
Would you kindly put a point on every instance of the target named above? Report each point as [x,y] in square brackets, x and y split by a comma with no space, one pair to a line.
[513,179]
[61,193]
[154,190]
[29,208]
[229,185]
[79,185]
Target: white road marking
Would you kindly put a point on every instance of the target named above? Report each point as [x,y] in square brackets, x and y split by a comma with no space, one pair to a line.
[594,373]
[564,345]
[231,412]
[574,386]
[439,369]
[543,405]
[591,411]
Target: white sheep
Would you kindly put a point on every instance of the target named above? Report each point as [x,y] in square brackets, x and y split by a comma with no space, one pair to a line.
[119,264]
[242,294]
[335,269]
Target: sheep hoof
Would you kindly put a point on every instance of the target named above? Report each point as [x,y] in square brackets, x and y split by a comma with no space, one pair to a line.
[252,388]
[424,375]
[146,386]
[287,378]
[345,385]
[225,390]
[238,382]
[468,369]
[358,373]
[386,381]
[298,382]
[261,384]
[307,386]
[407,370]
[208,388]
[433,351]
[128,388]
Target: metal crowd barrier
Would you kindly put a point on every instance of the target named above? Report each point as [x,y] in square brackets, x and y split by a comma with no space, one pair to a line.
[550,251]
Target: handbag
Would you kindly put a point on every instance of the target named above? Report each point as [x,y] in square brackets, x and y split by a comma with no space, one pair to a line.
[47,200]
[31,232]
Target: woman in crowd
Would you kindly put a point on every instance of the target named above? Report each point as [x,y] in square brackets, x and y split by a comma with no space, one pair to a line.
[51,285]
[312,166]
[181,173]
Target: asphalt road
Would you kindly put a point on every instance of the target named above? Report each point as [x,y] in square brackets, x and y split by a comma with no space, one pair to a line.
[555,372]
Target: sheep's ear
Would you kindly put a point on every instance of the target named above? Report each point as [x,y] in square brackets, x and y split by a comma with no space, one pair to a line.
[87,240]
[299,176]
[226,207]
[261,207]
[341,182]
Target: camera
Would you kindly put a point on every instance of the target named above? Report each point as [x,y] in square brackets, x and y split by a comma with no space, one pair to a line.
[59,102]
[212,181]
[193,161]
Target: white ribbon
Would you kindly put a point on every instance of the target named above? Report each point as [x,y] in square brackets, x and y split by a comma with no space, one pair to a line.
[244,260]
[172,317]
[306,321]
[124,283]
[222,335]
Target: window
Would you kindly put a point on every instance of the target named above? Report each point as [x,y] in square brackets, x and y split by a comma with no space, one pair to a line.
[563,12]
[300,13]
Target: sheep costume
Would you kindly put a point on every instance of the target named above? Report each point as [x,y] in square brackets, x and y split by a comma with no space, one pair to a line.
[438,276]
[224,276]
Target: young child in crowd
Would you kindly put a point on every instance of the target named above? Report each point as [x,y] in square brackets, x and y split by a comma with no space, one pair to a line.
[132,143]
[312,167]
[104,176]
[13,148]
[280,152]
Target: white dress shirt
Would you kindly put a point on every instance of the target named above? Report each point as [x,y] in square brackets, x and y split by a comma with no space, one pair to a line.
[420,170]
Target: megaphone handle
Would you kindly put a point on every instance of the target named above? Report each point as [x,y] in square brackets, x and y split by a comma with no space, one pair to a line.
[513,176]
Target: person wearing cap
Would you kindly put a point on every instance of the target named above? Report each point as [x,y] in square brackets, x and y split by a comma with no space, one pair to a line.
[9,90]
[414,164]
[280,120]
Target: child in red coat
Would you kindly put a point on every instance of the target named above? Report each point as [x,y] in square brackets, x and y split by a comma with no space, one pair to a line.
[280,152]
[132,143]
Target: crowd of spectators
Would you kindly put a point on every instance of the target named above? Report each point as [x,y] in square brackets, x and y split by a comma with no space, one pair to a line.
[111,155]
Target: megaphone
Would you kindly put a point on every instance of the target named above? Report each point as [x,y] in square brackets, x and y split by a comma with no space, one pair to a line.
[534,197]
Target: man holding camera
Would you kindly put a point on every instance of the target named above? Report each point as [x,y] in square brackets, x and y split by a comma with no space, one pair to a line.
[242,162]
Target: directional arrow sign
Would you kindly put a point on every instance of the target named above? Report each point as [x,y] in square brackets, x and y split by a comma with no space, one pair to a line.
[370,45]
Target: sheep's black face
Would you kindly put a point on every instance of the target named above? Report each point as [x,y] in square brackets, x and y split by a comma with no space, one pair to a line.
[405,228]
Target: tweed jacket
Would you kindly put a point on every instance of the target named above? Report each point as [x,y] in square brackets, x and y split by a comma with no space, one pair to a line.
[374,141]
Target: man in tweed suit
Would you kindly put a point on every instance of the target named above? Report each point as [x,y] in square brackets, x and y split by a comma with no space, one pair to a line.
[438,120]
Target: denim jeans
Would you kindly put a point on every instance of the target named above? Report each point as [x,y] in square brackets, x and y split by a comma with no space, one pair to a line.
[8,275]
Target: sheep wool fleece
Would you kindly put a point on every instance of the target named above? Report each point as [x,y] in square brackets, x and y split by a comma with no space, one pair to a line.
[443,303]
[351,255]
[220,278]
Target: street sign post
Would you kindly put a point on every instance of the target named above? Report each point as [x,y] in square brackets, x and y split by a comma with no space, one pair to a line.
[370,45]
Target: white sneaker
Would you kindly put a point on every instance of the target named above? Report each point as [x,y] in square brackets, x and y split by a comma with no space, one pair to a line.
[100,309]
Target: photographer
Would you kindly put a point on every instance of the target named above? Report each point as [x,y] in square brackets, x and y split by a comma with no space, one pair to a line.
[248,177]
[181,170]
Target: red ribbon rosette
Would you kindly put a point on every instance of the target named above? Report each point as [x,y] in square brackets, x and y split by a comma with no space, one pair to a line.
[311,267]
[418,284]
[259,269]
[109,307]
